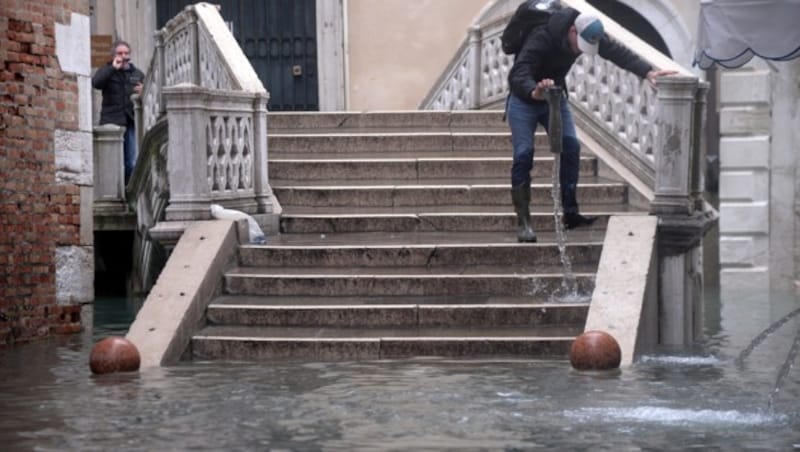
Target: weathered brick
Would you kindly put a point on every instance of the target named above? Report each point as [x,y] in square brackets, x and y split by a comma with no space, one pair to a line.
[35,98]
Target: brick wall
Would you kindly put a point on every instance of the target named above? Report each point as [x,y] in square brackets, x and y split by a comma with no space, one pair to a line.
[37,212]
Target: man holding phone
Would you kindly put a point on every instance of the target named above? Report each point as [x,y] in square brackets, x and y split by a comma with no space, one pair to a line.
[118,80]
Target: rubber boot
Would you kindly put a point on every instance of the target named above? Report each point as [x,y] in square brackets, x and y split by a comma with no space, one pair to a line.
[521,196]
[576,220]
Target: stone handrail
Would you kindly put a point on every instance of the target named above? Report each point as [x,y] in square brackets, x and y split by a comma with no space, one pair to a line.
[152,184]
[614,106]
[202,86]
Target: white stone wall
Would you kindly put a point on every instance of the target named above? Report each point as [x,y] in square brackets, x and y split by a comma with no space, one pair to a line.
[73,158]
[758,162]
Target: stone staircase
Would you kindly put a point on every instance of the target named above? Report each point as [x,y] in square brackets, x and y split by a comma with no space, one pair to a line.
[398,240]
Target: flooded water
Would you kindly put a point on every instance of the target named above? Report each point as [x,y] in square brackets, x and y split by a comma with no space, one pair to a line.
[700,397]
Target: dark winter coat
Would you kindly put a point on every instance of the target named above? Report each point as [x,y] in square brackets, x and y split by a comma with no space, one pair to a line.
[547,54]
[117,86]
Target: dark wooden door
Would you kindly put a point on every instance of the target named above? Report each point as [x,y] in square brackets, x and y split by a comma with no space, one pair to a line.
[279,37]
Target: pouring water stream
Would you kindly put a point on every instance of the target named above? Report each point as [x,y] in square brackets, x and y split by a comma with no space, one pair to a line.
[569,286]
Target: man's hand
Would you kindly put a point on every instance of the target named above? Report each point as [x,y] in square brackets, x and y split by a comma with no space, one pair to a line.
[653,75]
[538,92]
[138,88]
[117,63]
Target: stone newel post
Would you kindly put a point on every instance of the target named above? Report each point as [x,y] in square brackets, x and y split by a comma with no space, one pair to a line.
[682,219]
[674,145]
[109,183]
[188,186]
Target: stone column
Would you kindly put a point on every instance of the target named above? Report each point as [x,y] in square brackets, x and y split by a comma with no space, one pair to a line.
[109,183]
[682,222]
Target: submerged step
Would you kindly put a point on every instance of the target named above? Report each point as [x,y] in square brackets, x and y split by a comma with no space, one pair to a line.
[268,343]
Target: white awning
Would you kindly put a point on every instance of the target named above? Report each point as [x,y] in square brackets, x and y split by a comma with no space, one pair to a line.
[731,32]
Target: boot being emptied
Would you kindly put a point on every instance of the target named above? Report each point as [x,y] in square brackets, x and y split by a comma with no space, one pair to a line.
[575,220]
[521,196]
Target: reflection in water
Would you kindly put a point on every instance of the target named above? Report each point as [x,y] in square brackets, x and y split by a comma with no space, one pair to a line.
[693,398]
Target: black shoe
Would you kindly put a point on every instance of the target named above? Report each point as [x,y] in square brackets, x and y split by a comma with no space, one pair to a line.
[575,220]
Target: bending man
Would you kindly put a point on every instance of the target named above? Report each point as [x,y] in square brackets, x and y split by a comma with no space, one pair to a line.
[544,60]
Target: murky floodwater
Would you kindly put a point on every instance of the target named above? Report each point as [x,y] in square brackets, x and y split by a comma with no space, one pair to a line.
[679,399]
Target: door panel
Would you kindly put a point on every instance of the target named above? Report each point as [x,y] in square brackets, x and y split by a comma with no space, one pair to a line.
[279,39]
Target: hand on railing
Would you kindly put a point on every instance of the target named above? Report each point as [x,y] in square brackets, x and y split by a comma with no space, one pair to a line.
[653,75]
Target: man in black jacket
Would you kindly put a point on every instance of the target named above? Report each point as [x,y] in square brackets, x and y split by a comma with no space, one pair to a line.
[544,60]
[118,80]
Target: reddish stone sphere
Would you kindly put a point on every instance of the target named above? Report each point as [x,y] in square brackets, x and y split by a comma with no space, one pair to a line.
[114,354]
[595,350]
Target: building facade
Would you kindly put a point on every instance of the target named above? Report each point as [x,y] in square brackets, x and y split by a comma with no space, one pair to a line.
[46,244]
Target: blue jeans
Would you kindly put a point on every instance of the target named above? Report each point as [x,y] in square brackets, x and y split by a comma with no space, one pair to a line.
[523,119]
[129,153]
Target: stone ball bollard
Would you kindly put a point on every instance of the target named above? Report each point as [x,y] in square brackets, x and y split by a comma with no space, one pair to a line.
[595,350]
[114,354]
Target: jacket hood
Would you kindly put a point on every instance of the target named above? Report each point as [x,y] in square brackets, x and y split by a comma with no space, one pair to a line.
[559,23]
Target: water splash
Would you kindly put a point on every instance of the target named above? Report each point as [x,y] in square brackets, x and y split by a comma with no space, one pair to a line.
[568,292]
[785,368]
[674,416]
[790,357]
[764,334]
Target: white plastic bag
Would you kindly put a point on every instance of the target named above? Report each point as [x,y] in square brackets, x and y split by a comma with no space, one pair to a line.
[256,235]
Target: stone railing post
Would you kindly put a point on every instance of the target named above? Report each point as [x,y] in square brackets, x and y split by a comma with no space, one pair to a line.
[109,172]
[263,192]
[162,71]
[682,220]
[188,183]
[698,180]
[673,146]
[475,35]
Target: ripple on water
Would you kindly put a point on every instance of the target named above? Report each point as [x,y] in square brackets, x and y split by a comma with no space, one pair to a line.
[675,416]
[681,360]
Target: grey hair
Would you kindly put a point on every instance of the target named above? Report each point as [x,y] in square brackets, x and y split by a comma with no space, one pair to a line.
[117,43]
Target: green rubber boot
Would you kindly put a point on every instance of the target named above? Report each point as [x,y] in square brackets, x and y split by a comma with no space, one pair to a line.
[521,196]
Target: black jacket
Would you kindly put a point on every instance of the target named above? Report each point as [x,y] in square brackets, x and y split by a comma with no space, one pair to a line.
[117,87]
[546,54]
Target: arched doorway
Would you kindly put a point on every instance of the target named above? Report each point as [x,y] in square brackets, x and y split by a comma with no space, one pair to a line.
[633,21]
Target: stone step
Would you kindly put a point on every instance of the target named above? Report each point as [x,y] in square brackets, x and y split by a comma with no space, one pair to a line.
[326,122]
[425,239]
[356,281]
[388,300]
[296,220]
[327,344]
[315,167]
[412,255]
[387,142]
[405,312]
[436,193]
